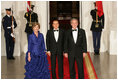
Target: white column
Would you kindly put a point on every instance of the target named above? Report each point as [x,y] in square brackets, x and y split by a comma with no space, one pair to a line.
[113,29]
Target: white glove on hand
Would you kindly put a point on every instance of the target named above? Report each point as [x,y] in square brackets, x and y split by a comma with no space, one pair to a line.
[12,35]
[13,26]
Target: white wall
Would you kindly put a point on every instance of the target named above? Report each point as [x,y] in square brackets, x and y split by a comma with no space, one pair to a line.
[108,39]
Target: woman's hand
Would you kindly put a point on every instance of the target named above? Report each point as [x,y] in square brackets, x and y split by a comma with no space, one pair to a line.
[29,57]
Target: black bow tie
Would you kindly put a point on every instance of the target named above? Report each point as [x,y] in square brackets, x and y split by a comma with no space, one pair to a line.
[55,30]
[74,30]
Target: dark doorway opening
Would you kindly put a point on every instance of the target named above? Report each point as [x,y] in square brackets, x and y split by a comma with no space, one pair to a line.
[64,11]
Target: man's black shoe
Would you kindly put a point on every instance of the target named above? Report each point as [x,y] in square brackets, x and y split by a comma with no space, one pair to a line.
[12,58]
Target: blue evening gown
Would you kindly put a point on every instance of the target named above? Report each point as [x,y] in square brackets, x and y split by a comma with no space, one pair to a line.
[38,67]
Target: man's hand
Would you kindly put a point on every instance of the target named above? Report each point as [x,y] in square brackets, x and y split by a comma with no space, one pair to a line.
[49,53]
[12,35]
[65,55]
[84,54]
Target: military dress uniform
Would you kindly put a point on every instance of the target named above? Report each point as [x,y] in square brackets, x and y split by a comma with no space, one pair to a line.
[31,17]
[7,23]
[96,29]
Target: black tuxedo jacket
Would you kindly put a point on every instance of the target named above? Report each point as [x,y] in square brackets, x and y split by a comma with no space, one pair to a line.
[73,48]
[53,46]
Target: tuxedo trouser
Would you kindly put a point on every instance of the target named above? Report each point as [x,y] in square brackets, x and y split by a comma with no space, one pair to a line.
[79,61]
[60,65]
[9,46]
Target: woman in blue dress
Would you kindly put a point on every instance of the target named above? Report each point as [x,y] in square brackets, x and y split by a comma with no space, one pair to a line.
[37,66]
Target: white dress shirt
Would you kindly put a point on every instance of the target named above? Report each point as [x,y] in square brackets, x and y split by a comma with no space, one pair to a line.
[56,34]
[8,15]
[75,34]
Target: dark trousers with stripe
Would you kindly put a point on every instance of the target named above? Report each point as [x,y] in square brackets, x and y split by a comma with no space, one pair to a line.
[96,40]
[9,46]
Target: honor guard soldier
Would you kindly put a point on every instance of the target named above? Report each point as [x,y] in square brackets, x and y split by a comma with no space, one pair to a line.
[96,28]
[31,17]
[9,23]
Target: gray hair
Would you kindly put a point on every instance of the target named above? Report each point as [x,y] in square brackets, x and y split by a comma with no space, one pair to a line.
[73,19]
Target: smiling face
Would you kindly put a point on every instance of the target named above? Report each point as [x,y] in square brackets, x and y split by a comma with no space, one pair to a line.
[55,24]
[74,23]
[36,28]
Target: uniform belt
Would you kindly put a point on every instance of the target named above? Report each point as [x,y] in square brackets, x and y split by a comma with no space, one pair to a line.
[8,27]
[30,22]
[97,21]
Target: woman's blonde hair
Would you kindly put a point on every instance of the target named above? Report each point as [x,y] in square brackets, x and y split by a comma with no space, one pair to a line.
[34,24]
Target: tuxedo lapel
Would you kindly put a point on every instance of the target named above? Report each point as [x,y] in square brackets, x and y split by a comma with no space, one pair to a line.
[72,37]
[59,35]
[78,35]
[52,32]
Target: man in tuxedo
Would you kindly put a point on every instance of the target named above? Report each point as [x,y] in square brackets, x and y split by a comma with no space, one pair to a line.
[55,42]
[75,48]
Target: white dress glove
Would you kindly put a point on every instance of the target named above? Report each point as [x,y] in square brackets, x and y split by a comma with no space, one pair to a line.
[12,35]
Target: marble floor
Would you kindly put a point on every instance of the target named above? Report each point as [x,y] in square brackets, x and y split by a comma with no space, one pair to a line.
[105,66]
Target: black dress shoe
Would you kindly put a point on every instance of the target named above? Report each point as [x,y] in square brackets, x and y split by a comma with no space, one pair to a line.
[12,58]
[8,58]
[97,53]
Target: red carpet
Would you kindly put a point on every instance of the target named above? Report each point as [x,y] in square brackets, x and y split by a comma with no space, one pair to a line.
[89,71]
